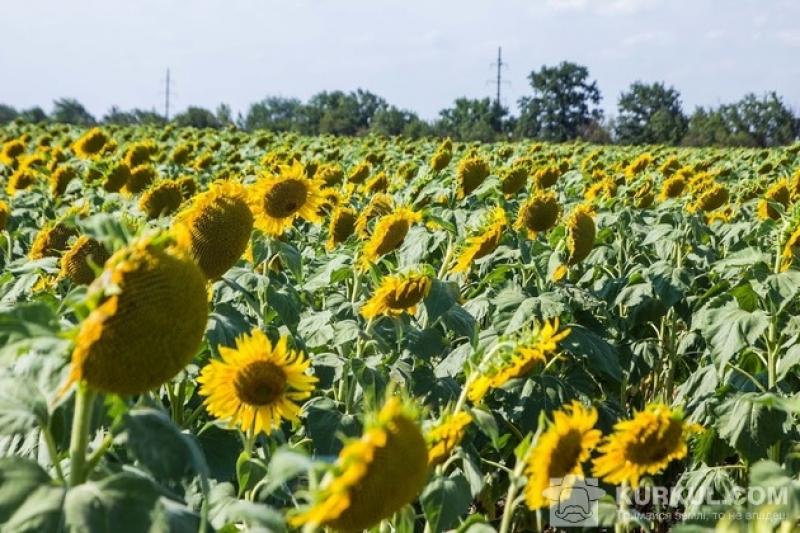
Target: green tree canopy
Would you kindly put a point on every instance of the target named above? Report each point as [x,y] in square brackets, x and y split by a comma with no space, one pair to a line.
[650,113]
[564,103]
[71,111]
[472,120]
[197,117]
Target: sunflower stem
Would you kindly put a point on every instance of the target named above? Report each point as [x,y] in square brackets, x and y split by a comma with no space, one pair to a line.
[79,440]
[52,451]
[511,497]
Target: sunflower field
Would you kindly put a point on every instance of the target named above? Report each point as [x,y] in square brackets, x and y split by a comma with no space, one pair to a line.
[215,330]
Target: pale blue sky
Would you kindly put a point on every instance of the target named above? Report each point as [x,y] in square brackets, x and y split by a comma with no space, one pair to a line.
[419,55]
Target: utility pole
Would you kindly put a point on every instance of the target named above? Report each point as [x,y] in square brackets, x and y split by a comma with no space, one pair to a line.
[166,100]
[499,71]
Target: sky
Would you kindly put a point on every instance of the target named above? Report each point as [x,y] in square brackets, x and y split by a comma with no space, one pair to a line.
[419,55]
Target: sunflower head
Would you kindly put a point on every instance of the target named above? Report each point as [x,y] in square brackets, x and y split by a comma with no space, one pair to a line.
[117,176]
[379,204]
[277,200]
[21,179]
[778,193]
[397,294]
[539,213]
[140,179]
[377,183]
[546,177]
[5,213]
[672,187]
[90,143]
[188,186]
[580,234]
[161,198]
[644,445]
[374,476]
[342,225]
[389,233]
[560,452]
[441,158]
[482,242]
[148,318]
[181,154]
[471,172]
[513,179]
[60,178]
[51,240]
[256,384]
[79,261]
[639,165]
[360,173]
[711,196]
[330,174]
[11,151]
[443,438]
[218,224]
[139,154]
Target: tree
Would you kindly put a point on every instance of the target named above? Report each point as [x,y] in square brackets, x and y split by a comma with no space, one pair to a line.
[196,117]
[71,111]
[564,101]
[650,114]
[7,114]
[341,113]
[274,113]
[393,121]
[472,120]
[33,115]
[133,117]
[224,114]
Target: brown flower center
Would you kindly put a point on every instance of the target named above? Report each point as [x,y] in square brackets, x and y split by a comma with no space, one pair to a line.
[284,199]
[260,383]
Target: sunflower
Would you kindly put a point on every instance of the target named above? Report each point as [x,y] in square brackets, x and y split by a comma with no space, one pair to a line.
[161,199]
[374,476]
[672,187]
[711,196]
[117,176]
[181,154]
[441,158]
[639,165]
[141,177]
[256,385]
[470,174]
[11,151]
[341,226]
[389,233]
[445,436]
[397,295]
[378,183]
[139,154]
[330,174]
[59,180]
[21,179]
[580,234]
[149,314]
[527,349]
[513,179]
[778,193]
[76,263]
[605,188]
[547,176]
[276,200]
[360,173]
[560,452]
[483,242]
[380,204]
[218,224]
[643,445]
[51,240]
[90,143]
[643,197]
[791,249]
[5,213]
[539,213]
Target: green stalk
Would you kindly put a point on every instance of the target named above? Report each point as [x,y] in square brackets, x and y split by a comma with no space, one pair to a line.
[511,496]
[52,451]
[79,440]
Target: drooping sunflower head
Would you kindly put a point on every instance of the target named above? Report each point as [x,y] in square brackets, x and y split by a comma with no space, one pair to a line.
[397,294]
[379,204]
[443,438]
[218,224]
[539,213]
[643,196]
[278,199]
[483,241]
[672,187]
[341,226]
[161,198]
[377,183]
[21,179]
[389,233]
[79,262]
[441,158]
[639,165]
[359,173]
[330,174]
[60,178]
[117,176]
[188,186]
[516,358]
[139,154]
[140,179]
[791,249]
[51,240]
[374,476]
[257,384]
[560,452]
[514,179]
[5,213]
[604,188]
[546,177]
[669,166]
[644,445]
[11,151]
[471,172]
[778,193]
[181,154]
[149,312]
[90,143]
[580,234]
[710,197]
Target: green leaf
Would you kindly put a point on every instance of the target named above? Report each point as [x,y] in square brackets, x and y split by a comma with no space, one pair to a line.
[285,464]
[22,406]
[598,353]
[748,425]
[729,330]
[444,500]
[19,478]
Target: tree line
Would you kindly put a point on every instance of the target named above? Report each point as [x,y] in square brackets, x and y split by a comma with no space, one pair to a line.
[563,105]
